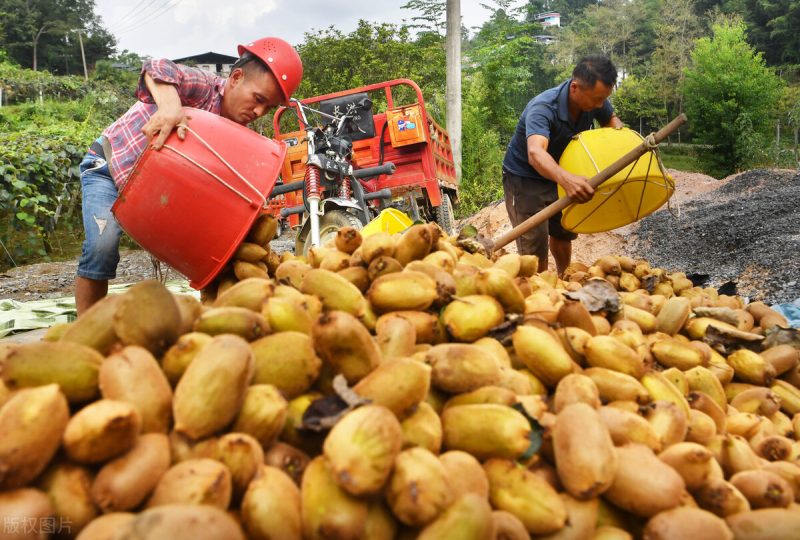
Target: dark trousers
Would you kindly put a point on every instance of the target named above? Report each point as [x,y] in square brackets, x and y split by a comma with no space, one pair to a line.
[525,197]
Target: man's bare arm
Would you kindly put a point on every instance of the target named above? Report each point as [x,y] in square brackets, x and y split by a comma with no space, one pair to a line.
[576,186]
[614,122]
[169,114]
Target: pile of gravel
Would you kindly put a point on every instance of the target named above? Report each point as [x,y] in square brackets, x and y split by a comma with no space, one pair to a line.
[746,232]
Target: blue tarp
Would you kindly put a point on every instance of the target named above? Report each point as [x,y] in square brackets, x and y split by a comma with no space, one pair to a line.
[791,311]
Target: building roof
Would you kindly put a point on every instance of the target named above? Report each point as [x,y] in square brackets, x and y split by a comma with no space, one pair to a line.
[208,58]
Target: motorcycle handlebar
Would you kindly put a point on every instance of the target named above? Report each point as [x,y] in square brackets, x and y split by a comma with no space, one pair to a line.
[386,168]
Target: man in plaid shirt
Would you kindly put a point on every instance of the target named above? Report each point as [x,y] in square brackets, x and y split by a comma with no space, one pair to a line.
[266,74]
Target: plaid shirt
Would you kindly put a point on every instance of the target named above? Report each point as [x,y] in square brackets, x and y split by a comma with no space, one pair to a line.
[196,88]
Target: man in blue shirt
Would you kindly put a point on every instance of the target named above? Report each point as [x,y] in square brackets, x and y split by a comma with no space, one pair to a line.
[530,167]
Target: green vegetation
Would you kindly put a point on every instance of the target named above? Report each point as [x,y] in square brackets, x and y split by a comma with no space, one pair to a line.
[730,94]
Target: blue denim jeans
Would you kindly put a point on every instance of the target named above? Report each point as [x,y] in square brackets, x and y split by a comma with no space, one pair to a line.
[100,252]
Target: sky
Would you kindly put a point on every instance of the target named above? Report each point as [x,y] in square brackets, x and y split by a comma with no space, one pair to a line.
[177,28]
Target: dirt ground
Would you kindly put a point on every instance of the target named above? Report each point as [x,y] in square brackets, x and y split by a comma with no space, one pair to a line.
[742,229]
[493,221]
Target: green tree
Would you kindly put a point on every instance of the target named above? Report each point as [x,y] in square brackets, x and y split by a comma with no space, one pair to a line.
[432,18]
[514,67]
[676,31]
[41,34]
[773,28]
[729,96]
[637,102]
[481,178]
[371,53]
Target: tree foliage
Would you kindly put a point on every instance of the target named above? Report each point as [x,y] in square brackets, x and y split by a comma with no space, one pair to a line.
[42,34]
[730,96]
[334,60]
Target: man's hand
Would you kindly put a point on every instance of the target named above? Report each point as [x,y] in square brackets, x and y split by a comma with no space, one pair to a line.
[161,124]
[167,117]
[577,187]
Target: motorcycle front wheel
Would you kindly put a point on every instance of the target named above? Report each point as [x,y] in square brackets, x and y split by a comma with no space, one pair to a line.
[329,223]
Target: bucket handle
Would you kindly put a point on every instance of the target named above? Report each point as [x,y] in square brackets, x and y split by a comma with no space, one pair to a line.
[214,176]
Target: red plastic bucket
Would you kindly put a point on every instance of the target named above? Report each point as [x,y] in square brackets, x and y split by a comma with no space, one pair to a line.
[191,203]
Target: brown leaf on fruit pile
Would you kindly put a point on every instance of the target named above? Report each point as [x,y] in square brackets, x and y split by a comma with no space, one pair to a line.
[597,295]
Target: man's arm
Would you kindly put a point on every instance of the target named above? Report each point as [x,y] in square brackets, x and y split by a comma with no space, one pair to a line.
[614,122]
[169,114]
[576,186]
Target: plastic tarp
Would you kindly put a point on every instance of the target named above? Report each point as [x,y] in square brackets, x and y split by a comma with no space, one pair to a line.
[18,317]
[791,311]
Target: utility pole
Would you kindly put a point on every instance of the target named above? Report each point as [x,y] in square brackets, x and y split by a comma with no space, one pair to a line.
[453,46]
[83,56]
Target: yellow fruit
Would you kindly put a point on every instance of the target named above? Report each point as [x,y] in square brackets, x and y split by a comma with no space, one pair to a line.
[32,422]
[541,352]
[286,360]
[629,427]
[102,430]
[232,320]
[133,375]
[584,452]
[292,272]
[262,414]
[673,353]
[406,290]
[459,368]
[422,428]
[750,367]
[692,461]
[124,483]
[526,496]
[399,385]
[243,456]
[644,485]
[335,291]
[194,481]
[361,449]
[148,316]
[418,491]
[271,506]
[95,328]
[396,337]
[471,317]
[179,356]
[263,229]
[615,386]
[673,315]
[607,352]
[661,389]
[765,524]
[486,430]
[763,489]
[248,293]
[686,523]
[346,345]
[72,366]
[69,488]
[468,518]
[575,388]
[501,286]
[211,391]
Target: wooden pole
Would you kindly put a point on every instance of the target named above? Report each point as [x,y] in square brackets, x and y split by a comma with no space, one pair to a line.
[83,57]
[453,87]
[551,210]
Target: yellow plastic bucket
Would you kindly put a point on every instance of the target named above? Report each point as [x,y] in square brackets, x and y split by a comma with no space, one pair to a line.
[633,193]
[389,220]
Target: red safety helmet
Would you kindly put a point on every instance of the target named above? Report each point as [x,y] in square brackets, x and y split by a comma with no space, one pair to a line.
[281,59]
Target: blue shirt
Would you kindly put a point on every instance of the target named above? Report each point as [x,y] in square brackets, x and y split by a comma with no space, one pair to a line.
[548,115]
